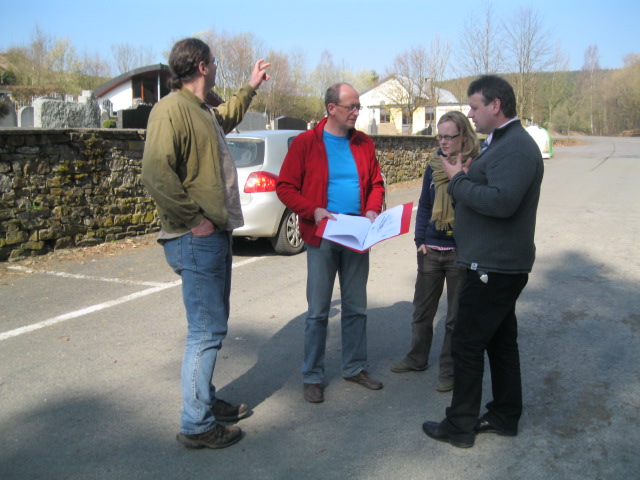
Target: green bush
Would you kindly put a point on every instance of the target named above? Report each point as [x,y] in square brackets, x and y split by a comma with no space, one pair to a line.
[109,124]
[8,78]
[5,108]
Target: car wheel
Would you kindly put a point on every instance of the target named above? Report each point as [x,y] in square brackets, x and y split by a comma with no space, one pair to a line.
[288,240]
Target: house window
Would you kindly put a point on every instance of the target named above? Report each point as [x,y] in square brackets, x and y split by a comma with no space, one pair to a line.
[428,117]
[145,89]
[405,118]
[385,117]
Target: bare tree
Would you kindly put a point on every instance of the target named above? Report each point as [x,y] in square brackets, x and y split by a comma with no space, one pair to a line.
[556,89]
[38,55]
[530,51]
[325,74]
[298,73]
[590,74]
[410,85]
[414,74]
[236,55]
[280,88]
[573,105]
[622,89]
[92,71]
[127,57]
[439,54]
[63,57]
[93,65]
[481,44]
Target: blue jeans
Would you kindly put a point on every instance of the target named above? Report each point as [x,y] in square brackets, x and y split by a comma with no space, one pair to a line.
[204,263]
[323,263]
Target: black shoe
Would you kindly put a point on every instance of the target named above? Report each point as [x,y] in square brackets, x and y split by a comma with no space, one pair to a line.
[313,393]
[437,432]
[484,425]
[225,412]
[219,437]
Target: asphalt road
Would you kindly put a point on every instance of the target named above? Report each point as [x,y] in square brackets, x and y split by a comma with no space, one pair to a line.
[91,346]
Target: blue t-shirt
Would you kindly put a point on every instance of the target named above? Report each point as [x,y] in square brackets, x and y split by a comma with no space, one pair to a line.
[343,190]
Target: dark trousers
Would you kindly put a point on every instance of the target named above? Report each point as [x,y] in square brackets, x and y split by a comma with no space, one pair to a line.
[486,322]
[434,268]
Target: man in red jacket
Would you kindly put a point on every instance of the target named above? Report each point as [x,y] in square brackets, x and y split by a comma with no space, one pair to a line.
[333,169]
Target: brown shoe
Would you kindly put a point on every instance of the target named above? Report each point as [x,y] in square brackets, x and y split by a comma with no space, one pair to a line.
[445,385]
[402,367]
[313,393]
[365,380]
[219,437]
[225,412]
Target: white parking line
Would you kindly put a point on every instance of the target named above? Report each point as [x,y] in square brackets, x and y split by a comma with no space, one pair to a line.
[156,287]
[85,311]
[86,277]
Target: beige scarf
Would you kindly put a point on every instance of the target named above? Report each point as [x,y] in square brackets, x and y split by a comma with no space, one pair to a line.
[442,212]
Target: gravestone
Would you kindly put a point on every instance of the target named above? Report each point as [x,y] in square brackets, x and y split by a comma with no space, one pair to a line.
[289,123]
[252,121]
[55,113]
[133,117]
[8,117]
[106,106]
[372,128]
[25,117]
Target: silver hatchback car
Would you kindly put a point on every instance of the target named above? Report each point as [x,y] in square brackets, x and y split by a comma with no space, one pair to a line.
[258,156]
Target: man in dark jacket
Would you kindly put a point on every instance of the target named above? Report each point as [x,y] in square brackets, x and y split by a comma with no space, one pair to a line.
[496,204]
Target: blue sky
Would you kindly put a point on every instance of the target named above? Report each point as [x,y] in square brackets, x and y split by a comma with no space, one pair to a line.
[362,34]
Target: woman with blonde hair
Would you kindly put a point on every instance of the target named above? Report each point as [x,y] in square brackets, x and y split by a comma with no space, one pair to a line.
[436,250]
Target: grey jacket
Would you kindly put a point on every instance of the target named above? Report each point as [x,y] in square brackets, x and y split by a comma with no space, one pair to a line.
[496,204]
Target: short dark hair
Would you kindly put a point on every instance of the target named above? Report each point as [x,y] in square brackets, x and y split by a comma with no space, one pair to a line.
[333,94]
[492,87]
[184,59]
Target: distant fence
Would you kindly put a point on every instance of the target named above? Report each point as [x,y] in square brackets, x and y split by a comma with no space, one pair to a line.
[61,188]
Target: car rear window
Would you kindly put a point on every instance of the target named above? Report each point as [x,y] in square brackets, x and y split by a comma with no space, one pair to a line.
[246,152]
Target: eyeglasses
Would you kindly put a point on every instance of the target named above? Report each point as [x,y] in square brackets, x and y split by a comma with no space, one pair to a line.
[214,61]
[447,137]
[351,108]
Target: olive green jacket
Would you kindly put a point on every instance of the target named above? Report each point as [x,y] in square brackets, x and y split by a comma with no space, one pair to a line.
[181,165]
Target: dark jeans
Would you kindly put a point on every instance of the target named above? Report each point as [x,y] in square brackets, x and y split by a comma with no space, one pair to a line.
[433,269]
[486,321]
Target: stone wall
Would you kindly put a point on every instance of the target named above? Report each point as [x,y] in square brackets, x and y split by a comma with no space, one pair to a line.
[61,188]
[403,158]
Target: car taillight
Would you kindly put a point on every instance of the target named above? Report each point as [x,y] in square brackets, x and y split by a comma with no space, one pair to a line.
[260,182]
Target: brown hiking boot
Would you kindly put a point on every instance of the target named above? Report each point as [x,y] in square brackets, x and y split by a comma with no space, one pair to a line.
[312,393]
[219,437]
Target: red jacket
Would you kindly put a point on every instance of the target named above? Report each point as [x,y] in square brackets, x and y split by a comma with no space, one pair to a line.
[302,184]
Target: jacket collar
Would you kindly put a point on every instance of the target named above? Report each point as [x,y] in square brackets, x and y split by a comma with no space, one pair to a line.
[319,128]
[498,132]
[190,96]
